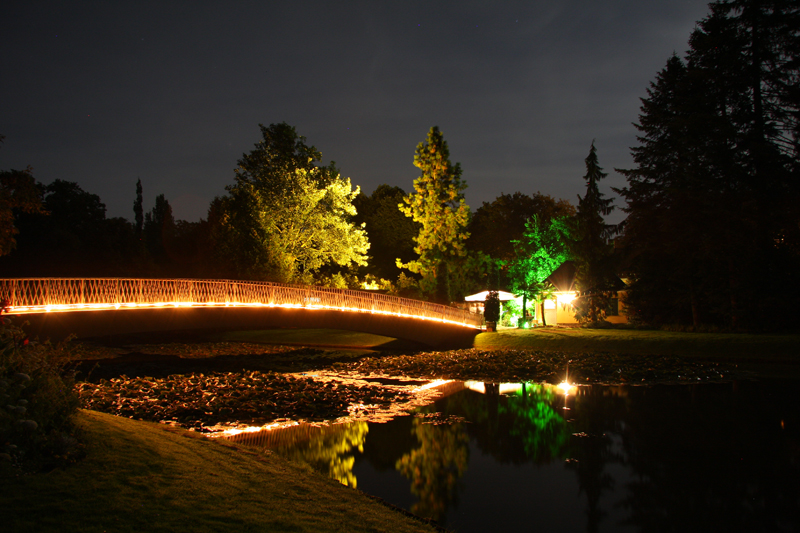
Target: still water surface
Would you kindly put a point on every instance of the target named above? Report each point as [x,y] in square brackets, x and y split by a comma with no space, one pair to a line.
[488,457]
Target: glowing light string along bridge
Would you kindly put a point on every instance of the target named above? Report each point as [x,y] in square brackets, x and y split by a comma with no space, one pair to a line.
[58,295]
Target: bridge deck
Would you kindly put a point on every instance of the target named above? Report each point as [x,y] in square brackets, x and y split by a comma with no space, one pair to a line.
[87,307]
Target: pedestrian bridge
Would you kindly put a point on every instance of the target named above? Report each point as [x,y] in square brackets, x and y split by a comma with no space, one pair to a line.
[90,307]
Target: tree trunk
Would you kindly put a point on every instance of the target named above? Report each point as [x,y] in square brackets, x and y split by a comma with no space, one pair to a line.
[695,309]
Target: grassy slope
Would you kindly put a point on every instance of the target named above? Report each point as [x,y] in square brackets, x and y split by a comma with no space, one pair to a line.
[138,476]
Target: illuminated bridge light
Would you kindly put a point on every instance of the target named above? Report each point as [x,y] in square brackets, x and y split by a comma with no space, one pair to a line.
[134,293]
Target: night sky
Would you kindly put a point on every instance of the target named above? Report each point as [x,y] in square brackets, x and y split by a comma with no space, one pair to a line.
[103,93]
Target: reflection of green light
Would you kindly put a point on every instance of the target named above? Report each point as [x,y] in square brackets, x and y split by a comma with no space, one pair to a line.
[542,430]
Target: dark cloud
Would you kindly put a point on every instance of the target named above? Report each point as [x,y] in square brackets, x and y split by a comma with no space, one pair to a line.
[173,92]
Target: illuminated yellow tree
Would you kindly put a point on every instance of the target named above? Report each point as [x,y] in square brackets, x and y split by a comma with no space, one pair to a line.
[331,452]
[437,203]
[286,216]
[436,466]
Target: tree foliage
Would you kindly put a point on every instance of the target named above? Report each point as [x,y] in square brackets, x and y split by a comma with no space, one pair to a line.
[37,387]
[159,230]
[713,223]
[287,215]
[436,466]
[591,246]
[438,205]
[71,237]
[544,246]
[18,194]
[390,232]
[138,211]
[491,307]
[495,226]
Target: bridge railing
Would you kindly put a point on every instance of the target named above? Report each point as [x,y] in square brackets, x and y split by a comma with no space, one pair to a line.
[39,295]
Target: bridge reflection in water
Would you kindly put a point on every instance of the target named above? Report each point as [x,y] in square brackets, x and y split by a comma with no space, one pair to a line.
[57,307]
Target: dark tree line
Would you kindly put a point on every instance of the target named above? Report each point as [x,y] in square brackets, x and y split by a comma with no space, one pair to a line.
[712,235]
[70,236]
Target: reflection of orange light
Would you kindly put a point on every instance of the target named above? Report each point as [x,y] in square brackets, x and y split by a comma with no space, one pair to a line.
[253,429]
[567,389]
[433,384]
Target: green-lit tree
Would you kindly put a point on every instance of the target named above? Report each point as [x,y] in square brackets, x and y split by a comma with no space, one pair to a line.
[591,246]
[495,226]
[288,216]
[542,249]
[437,204]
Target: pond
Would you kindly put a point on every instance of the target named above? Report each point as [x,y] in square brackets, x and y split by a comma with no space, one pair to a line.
[486,457]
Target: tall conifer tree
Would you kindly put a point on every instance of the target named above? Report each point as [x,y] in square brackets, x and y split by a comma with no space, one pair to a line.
[437,203]
[713,218]
[591,246]
[138,210]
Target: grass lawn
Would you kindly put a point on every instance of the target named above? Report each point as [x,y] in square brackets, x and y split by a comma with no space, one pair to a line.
[767,355]
[650,342]
[140,476]
[778,352]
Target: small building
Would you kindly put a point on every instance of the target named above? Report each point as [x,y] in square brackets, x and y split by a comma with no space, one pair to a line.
[560,309]
[475,301]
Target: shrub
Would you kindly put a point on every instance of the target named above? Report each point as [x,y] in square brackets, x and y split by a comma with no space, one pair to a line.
[511,313]
[37,401]
[491,309]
